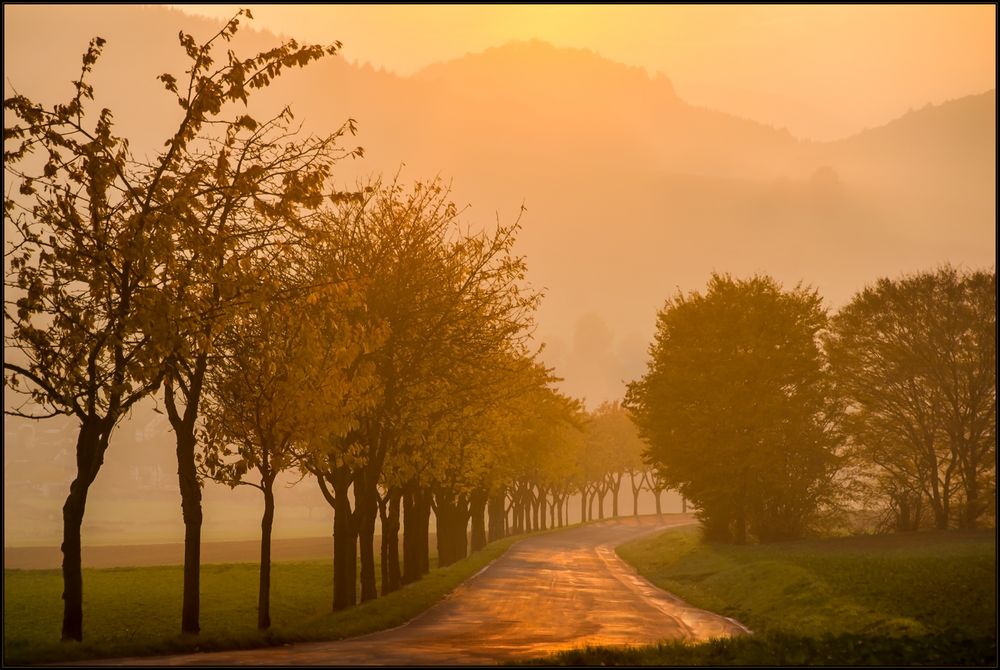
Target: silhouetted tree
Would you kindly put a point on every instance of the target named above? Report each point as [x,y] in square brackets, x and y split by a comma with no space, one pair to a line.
[81,295]
[241,186]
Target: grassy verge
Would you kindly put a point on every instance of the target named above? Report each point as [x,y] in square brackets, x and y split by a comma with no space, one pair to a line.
[919,598]
[776,649]
[906,584]
[136,611]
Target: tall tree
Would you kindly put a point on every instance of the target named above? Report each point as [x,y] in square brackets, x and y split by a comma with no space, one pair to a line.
[241,185]
[915,361]
[82,302]
[735,406]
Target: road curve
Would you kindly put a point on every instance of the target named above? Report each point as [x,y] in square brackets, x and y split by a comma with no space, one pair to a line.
[546,593]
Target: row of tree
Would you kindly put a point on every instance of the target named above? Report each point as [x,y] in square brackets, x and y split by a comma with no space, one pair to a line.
[766,412]
[286,323]
[363,337]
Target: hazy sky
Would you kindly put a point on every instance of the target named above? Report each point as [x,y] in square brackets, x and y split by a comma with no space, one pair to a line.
[790,66]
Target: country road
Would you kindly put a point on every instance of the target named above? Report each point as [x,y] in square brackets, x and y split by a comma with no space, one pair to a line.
[545,594]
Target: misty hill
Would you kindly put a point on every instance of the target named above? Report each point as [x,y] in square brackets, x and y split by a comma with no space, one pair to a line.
[630,191]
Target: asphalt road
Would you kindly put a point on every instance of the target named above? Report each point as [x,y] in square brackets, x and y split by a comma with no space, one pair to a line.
[547,593]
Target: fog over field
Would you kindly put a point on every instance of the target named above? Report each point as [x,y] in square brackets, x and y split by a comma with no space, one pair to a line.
[632,191]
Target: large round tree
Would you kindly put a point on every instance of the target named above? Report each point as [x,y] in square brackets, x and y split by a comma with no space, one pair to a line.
[735,406]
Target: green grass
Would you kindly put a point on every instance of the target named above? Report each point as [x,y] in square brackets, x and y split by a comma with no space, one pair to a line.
[136,611]
[905,584]
[924,598]
[776,649]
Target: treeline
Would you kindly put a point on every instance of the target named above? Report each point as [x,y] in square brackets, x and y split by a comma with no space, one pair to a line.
[363,336]
[775,417]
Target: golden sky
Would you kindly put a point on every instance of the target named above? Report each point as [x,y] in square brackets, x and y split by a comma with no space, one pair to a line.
[821,71]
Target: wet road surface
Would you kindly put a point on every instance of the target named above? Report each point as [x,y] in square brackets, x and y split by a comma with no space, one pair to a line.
[545,594]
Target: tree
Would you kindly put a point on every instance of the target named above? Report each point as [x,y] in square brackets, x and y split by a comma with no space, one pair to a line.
[735,407]
[239,186]
[82,302]
[915,361]
[293,373]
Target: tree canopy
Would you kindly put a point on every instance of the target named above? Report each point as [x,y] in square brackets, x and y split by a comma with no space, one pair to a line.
[735,406]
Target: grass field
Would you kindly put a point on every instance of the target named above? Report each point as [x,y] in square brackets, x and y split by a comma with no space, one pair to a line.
[925,598]
[912,583]
[136,611]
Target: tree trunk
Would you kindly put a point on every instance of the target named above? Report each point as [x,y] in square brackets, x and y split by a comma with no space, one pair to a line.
[636,490]
[741,527]
[583,506]
[391,531]
[498,517]
[614,498]
[659,509]
[410,570]
[461,535]
[452,520]
[264,594]
[90,446]
[443,518]
[477,508]
[684,505]
[345,543]
[383,514]
[530,512]
[543,500]
[424,538]
[190,489]
[416,527]
[973,507]
[600,503]
[72,626]
[389,551]
[366,507]
[940,518]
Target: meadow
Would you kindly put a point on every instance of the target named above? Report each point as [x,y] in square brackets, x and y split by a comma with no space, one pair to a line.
[136,611]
